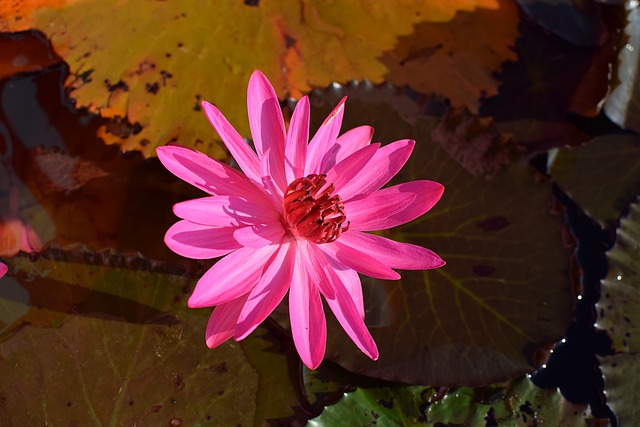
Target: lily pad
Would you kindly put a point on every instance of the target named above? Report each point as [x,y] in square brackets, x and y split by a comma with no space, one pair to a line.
[127,351]
[60,283]
[618,315]
[623,104]
[517,403]
[505,289]
[457,59]
[147,64]
[601,176]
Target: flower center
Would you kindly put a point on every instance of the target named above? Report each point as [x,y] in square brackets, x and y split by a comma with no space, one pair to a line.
[312,212]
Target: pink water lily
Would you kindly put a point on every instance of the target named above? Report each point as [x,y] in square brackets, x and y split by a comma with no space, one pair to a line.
[296,220]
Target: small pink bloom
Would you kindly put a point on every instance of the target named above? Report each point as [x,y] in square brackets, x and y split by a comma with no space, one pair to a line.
[15,234]
[296,220]
[3,269]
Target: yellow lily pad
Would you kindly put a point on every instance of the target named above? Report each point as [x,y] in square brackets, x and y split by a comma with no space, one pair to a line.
[147,64]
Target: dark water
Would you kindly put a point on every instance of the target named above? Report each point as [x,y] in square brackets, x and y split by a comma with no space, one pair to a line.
[573,366]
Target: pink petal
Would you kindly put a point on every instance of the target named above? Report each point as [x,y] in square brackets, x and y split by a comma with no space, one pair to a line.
[205,173]
[30,241]
[200,241]
[268,292]
[394,254]
[347,276]
[3,269]
[295,153]
[272,188]
[239,149]
[376,206]
[266,122]
[225,211]
[357,260]
[347,170]
[223,321]
[351,281]
[315,267]
[376,211]
[308,323]
[346,144]
[325,138]
[351,320]
[383,166]
[231,277]
[259,235]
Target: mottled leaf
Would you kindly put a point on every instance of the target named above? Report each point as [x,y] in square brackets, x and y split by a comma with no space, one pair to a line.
[601,176]
[504,290]
[618,314]
[621,373]
[147,64]
[623,104]
[517,403]
[398,406]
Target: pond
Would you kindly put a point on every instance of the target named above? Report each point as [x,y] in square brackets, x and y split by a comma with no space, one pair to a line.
[115,259]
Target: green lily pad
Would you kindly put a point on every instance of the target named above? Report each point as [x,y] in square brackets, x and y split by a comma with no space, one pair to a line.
[505,289]
[601,176]
[623,104]
[121,348]
[618,315]
[517,403]
[398,406]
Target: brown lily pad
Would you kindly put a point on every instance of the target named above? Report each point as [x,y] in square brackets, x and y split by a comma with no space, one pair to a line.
[116,344]
[505,289]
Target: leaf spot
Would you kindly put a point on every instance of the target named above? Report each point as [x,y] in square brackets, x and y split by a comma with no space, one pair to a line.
[483,270]
[495,223]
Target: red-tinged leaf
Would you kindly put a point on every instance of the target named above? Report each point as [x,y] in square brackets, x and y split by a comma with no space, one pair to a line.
[475,143]
[55,171]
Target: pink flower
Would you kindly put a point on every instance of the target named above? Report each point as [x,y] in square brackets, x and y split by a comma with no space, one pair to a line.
[296,221]
[15,234]
[3,269]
